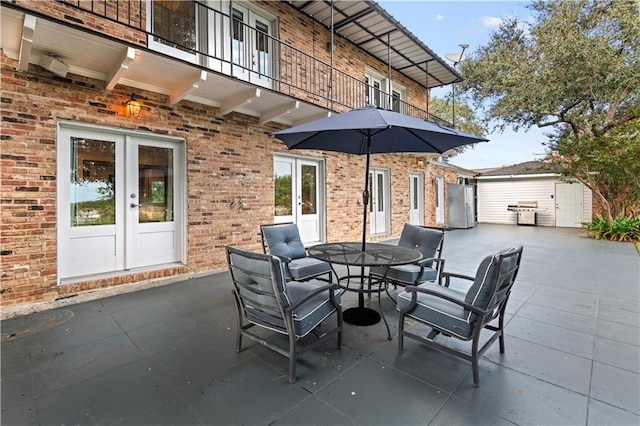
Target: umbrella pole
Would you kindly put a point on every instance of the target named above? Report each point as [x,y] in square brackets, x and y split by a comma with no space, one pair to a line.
[365,203]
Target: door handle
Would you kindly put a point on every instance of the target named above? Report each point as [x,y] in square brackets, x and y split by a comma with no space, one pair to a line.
[135,205]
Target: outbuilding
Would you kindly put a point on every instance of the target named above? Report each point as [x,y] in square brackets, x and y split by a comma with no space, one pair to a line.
[559,202]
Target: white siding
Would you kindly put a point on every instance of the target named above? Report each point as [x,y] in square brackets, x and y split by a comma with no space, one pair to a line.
[495,195]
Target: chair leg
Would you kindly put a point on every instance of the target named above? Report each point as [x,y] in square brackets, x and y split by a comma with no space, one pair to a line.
[292,359]
[401,333]
[239,323]
[474,360]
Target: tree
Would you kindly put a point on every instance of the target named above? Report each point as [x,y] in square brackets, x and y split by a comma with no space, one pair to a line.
[466,120]
[573,69]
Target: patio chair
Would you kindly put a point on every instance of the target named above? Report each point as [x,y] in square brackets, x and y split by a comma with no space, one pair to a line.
[462,314]
[429,242]
[264,298]
[283,240]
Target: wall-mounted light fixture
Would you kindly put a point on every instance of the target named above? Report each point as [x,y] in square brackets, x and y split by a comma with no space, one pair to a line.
[420,162]
[331,47]
[132,106]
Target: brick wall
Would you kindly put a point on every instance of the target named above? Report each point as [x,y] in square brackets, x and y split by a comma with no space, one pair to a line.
[229,168]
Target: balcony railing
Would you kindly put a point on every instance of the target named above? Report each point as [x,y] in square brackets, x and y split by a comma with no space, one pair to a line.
[216,41]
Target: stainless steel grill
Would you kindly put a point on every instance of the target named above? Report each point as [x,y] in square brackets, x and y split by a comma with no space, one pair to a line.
[526,212]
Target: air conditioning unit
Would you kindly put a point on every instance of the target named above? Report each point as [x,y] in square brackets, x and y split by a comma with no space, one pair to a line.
[54,65]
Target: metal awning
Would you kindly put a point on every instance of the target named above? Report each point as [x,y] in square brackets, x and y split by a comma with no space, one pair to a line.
[369,26]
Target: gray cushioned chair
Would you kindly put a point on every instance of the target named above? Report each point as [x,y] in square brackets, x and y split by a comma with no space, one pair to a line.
[264,298]
[283,240]
[462,314]
[429,242]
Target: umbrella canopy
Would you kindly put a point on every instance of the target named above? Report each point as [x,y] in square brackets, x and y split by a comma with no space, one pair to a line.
[372,130]
[387,131]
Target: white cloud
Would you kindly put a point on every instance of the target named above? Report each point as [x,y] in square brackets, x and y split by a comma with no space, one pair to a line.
[440,17]
[491,21]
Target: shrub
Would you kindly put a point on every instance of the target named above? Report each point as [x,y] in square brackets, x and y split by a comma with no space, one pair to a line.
[621,228]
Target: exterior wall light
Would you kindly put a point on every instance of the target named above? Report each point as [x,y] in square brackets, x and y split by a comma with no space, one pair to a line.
[132,107]
[420,162]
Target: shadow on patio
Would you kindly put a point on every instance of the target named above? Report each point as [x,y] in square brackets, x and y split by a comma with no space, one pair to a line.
[166,355]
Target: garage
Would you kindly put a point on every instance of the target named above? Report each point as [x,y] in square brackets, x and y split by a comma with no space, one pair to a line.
[549,199]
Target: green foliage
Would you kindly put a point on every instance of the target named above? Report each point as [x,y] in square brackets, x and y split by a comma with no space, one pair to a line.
[573,68]
[466,119]
[621,228]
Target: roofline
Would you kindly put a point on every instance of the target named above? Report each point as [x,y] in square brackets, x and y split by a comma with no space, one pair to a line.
[538,175]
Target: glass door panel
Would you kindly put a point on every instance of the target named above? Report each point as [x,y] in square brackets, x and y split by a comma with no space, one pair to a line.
[92,192]
[283,191]
[155,184]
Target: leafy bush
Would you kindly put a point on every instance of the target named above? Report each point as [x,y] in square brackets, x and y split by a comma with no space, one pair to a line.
[621,228]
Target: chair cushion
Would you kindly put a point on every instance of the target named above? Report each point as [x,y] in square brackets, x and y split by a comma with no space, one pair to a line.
[405,274]
[306,267]
[480,293]
[437,312]
[425,240]
[306,317]
[284,240]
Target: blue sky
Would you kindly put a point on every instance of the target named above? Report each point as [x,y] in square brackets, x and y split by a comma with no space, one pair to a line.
[443,26]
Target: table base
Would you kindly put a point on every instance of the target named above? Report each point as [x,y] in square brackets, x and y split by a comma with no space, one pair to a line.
[361,316]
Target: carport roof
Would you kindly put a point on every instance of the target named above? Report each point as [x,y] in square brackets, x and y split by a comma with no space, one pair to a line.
[372,28]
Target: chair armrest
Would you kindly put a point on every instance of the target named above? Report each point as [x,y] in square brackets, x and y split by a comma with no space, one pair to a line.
[414,290]
[446,277]
[330,287]
[430,259]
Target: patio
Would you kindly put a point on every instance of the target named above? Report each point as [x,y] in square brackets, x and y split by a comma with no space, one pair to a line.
[166,355]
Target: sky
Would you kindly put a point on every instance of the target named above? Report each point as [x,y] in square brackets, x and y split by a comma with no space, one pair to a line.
[443,26]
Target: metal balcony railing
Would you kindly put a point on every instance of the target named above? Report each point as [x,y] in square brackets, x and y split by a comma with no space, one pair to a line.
[224,43]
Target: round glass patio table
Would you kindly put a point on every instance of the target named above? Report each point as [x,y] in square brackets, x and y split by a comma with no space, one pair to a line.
[374,254]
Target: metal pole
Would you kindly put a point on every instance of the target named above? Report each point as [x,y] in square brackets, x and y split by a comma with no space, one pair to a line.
[331,69]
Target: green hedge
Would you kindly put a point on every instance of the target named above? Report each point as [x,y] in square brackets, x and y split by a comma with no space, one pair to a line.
[621,228]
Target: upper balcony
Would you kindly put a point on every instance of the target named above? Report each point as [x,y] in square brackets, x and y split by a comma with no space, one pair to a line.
[229,57]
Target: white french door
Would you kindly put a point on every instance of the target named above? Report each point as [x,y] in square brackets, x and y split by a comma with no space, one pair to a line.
[252,46]
[298,195]
[120,201]
[379,201]
[416,199]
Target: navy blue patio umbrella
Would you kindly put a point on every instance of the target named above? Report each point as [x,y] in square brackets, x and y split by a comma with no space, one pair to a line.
[372,130]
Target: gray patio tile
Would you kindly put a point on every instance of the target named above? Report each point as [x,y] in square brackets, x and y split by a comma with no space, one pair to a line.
[170,333]
[442,370]
[316,367]
[225,399]
[146,313]
[601,414]
[458,412]
[312,412]
[585,324]
[620,332]
[617,354]
[372,383]
[619,316]
[617,387]
[60,369]
[550,365]
[17,380]
[575,306]
[563,339]
[617,303]
[25,413]
[126,395]
[523,399]
[65,336]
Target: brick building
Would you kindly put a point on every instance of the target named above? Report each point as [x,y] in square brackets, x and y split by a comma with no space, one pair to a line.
[135,134]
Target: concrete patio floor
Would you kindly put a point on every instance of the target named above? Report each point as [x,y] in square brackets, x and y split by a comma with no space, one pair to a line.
[166,355]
